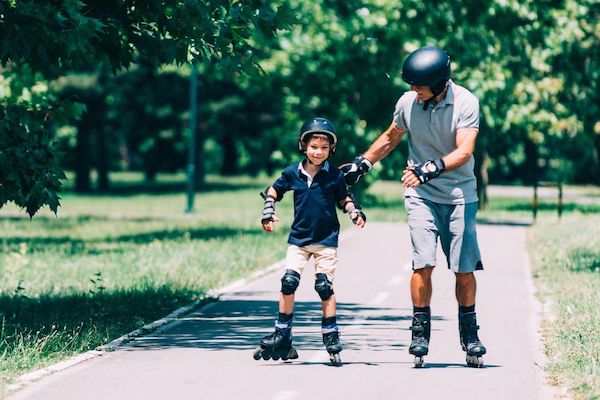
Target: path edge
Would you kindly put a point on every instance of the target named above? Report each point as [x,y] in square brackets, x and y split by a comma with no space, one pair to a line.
[210,297]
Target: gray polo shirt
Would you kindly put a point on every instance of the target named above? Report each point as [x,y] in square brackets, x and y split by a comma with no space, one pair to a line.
[432,134]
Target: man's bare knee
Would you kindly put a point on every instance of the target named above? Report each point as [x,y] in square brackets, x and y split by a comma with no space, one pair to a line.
[424,272]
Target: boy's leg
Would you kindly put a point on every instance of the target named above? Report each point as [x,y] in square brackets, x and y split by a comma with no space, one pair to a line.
[329,307]
[295,261]
[325,266]
[278,344]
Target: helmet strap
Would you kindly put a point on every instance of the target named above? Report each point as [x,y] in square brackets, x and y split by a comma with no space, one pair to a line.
[436,89]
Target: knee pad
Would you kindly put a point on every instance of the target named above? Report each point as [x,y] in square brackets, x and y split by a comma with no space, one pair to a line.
[323,287]
[290,282]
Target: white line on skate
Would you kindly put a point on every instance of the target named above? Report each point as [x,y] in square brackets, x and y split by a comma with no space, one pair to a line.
[396,280]
[285,395]
[381,296]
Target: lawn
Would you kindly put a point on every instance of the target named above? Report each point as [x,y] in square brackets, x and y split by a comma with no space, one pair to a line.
[565,261]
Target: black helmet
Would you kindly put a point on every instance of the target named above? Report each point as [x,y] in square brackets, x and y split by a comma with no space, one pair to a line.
[427,66]
[317,125]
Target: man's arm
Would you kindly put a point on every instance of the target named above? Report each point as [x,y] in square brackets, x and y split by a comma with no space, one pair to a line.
[381,147]
[384,144]
[465,145]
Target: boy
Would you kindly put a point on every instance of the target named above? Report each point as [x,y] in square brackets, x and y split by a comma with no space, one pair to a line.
[318,186]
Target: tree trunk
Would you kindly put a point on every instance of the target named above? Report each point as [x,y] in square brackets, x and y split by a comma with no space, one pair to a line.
[200,176]
[482,161]
[102,164]
[83,183]
[596,152]
[529,173]
[230,156]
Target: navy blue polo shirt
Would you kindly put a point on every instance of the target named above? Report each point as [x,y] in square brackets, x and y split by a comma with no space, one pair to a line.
[315,216]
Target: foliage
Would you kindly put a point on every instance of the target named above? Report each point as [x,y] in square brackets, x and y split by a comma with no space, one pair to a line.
[30,170]
[53,38]
[533,65]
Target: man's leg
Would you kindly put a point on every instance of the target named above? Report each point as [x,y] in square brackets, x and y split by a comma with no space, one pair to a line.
[466,287]
[421,287]
[462,250]
[424,236]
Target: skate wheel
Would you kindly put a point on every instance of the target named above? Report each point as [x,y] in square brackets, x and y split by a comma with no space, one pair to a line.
[475,361]
[257,354]
[266,356]
[275,358]
[335,359]
[419,361]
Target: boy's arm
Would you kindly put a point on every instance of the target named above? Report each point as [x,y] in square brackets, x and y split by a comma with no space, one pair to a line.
[268,214]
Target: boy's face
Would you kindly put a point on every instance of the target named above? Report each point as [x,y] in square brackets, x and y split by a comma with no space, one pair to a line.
[318,149]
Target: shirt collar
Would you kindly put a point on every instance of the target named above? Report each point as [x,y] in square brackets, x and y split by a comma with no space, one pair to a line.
[324,166]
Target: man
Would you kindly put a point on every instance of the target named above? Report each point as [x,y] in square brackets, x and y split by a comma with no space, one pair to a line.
[441,120]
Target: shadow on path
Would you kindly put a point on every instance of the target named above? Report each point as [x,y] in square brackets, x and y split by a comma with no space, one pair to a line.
[240,324]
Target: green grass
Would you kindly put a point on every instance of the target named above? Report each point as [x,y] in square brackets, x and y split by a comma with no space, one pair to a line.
[110,263]
[566,265]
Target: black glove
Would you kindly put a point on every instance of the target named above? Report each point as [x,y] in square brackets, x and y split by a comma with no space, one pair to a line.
[358,213]
[429,169]
[268,209]
[355,170]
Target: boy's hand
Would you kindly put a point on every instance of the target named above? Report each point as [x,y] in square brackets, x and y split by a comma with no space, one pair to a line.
[268,225]
[358,217]
[268,214]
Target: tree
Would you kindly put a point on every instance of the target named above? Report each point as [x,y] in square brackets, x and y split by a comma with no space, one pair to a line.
[53,38]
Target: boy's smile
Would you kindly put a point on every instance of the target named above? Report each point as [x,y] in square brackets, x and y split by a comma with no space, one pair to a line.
[317,150]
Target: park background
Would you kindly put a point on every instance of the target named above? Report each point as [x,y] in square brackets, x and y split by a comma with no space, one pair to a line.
[102,103]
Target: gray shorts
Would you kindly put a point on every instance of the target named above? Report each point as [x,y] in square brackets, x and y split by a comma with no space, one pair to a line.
[455,226]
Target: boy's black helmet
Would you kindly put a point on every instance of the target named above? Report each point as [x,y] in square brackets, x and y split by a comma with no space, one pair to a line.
[427,66]
[317,125]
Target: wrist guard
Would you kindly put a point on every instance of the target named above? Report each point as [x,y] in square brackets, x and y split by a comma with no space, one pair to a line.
[355,170]
[268,209]
[355,213]
[429,169]
[342,204]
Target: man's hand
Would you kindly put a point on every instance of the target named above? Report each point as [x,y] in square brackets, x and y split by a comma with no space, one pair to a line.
[421,173]
[355,170]
[268,214]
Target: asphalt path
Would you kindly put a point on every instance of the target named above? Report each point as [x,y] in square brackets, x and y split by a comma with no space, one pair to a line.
[207,354]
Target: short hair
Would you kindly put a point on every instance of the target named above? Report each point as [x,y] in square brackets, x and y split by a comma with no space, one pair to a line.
[318,135]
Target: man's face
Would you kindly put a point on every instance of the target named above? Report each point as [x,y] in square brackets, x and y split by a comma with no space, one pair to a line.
[423,92]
